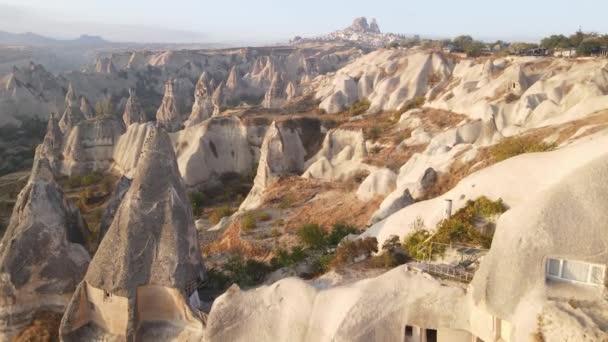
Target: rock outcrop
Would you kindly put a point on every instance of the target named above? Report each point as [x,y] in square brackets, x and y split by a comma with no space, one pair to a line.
[134,111]
[215,147]
[340,156]
[361,32]
[72,115]
[203,107]
[128,148]
[276,95]
[53,139]
[113,204]
[85,107]
[168,113]
[282,153]
[142,282]
[217,99]
[388,79]
[42,257]
[379,183]
[90,145]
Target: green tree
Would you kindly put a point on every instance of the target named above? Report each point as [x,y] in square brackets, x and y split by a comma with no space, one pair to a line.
[474,49]
[588,47]
[463,42]
[556,41]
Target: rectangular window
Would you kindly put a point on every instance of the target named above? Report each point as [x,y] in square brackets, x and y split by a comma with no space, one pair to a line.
[576,271]
[553,266]
[597,275]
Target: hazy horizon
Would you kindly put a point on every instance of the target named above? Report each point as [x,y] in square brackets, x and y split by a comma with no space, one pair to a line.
[269,21]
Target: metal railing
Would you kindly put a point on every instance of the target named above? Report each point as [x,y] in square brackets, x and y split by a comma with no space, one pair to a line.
[451,272]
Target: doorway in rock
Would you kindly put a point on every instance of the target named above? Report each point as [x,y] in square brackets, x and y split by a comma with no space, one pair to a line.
[431,335]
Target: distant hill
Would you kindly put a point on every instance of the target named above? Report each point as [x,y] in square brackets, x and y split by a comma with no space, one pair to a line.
[33,39]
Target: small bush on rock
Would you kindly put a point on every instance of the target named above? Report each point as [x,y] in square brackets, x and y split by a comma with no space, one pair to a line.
[219,213]
[511,147]
[313,236]
[359,107]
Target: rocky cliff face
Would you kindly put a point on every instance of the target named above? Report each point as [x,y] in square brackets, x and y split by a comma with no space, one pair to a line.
[90,145]
[212,148]
[282,153]
[30,91]
[203,107]
[169,114]
[154,241]
[134,111]
[41,254]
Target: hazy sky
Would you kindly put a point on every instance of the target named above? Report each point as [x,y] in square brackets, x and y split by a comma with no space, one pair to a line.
[273,20]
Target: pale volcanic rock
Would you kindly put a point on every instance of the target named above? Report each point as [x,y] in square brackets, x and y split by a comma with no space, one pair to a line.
[86,108]
[30,91]
[394,202]
[41,254]
[275,95]
[53,139]
[291,91]
[387,78]
[105,65]
[282,153]
[113,204]
[90,145]
[134,112]
[214,147]
[379,183]
[72,115]
[361,32]
[151,252]
[340,156]
[168,113]
[367,310]
[217,99]
[203,107]
[128,148]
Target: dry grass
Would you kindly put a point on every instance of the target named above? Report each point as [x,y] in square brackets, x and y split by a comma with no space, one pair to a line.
[44,328]
[436,120]
[231,242]
[392,157]
[324,203]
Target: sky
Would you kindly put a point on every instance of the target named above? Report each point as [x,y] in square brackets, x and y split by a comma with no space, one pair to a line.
[262,21]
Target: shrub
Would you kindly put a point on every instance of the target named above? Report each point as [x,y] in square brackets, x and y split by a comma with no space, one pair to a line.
[91,178]
[374,133]
[249,221]
[322,263]
[511,147]
[313,236]
[197,199]
[359,107]
[275,233]
[219,213]
[340,231]
[286,202]
[348,251]
[246,273]
[416,102]
[263,216]
[414,243]
[284,258]
[460,228]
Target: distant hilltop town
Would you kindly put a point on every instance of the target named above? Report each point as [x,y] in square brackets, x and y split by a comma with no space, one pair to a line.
[361,32]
